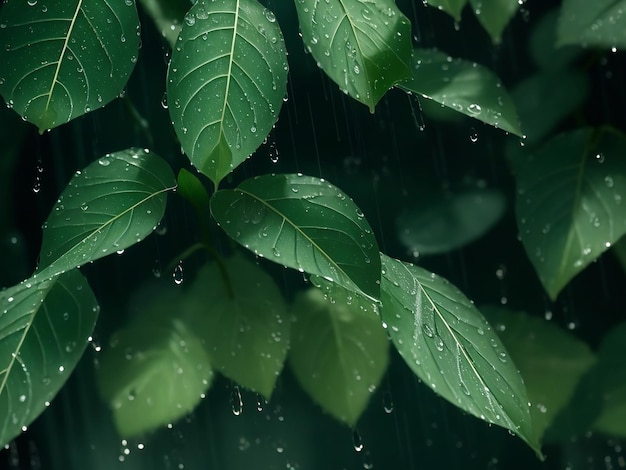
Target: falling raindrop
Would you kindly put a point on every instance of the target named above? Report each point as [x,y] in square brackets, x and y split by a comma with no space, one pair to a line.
[177,275]
[357,441]
[236,402]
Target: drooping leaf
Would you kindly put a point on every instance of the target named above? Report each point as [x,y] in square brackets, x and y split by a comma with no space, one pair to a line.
[363,46]
[242,321]
[304,223]
[451,7]
[601,23]
[339,350]
[112,204]
[543,46]
[63,59]
[550,360]
[168,16]
[449,345]
[494,15]
[156,369]
[569,204]
[226,82]
[444,222]
[44,329]
[464,86]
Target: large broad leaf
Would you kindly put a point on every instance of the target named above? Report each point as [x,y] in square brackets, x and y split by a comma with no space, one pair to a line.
[551,361]
[443,222]
[156,369]
[451,7]
[494,15]
[448,344]
[112,204]
[570,206]
[601,23]
[44,329]
[464,86]
[242,321]
[304,223]
[226,82]
[339,350]
[168,16]
[63,59]
[364,46]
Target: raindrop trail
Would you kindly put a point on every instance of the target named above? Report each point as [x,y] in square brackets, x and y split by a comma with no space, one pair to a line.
[317,152]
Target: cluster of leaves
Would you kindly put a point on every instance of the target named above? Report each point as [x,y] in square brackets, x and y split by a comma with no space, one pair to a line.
[225,87]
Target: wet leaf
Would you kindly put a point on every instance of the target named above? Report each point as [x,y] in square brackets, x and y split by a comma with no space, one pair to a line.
[112,204]
[64,59]
[44,329]
[226,82]
[569,204]
[339,350]
[304,223]
[242,321]
[155,370]
[494,15]
[601,23]
[464,86]
[167,15]
[444,222]
[363,46]
[551,361]
[451,7]
[449,345]
[543,45]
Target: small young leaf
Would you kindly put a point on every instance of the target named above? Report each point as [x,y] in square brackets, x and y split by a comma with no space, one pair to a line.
[226,82]
[339,350]
[44,329]
[551,361]
[192,189]
[463,86]
[167,15]
[448,344]
[304,223]
[601,23]
[569,202]
[451,7]
[63,59]
[156,369]
[112,204]
[363,46]
[494,15]
[242,321]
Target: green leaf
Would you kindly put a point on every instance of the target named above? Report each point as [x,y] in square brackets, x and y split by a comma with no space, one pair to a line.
[451,7]
[364,46]
[570,202]
[339,351]
[226,82]
[304,223]
[64,59]
[168,16]
[543,44]
[494,15]
[464,86]
[112,204]
[601,23]
[44,329]
[156,369]
[443,222]
[242,321]
[551,361]
[448,344]
[545,99]
[192,189]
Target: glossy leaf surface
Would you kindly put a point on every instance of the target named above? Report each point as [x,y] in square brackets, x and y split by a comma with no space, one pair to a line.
[44,329]
[550,359]
[363,46]
[242,321]
[451,7]
[226,82]
[339,351]
[112,204]
[601,23]
[63,59]
[304,223]
[464,86]
[570,202]
[450,346]
[494,15]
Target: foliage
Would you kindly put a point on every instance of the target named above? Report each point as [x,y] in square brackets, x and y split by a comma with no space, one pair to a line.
[225,88]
